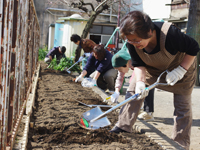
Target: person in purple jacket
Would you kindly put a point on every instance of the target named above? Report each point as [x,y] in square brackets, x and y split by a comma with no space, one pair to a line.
[104,74]
[59,52]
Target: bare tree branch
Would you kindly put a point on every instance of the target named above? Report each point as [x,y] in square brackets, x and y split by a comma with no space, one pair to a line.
[90,5]
[102,3]
[81,5]
[67,2]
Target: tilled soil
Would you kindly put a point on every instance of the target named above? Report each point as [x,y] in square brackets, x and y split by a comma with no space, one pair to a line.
[56,118]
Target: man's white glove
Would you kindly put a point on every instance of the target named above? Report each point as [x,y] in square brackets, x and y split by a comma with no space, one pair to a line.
[140,88]
[80,58]
[175,75]
[94,82]
[87,54]
[79,79]
[115,96]
[89,82]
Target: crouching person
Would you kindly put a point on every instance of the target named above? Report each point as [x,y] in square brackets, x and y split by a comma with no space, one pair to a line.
[104,74]
[59,52]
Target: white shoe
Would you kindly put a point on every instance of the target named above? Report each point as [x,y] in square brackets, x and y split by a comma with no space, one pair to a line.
[146,116]
[141,111]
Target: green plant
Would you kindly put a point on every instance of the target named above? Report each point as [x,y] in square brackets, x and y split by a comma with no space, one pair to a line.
[64,62]
[42,53]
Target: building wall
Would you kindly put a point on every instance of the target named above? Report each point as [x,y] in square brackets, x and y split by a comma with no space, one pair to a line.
[179,15]
[51,35]
[67,28]
[46,18]
[136,5]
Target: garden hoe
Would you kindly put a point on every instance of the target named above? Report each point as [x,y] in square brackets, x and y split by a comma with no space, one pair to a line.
[67,69]
[94,118]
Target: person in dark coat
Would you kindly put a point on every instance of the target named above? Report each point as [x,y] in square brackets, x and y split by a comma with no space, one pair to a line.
[104,75]
[59,52]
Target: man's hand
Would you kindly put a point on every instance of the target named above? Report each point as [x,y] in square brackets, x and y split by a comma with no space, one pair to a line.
[140,88]
[115,96]
[79,79]
[175,75]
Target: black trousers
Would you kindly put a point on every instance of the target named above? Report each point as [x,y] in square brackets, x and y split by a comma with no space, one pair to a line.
[149,101]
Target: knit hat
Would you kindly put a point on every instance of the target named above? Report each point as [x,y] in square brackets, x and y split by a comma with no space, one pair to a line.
[121,58]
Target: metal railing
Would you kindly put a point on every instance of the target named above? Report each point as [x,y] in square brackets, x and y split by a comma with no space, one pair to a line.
[19,32]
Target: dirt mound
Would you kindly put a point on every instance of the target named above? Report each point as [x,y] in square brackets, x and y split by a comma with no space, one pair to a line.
[67,135]
[56,118]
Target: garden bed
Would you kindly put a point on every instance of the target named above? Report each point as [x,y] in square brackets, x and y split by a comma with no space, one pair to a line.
[56,115]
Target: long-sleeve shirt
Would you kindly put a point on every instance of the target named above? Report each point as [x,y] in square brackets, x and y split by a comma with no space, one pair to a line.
[101,66]
[120,78]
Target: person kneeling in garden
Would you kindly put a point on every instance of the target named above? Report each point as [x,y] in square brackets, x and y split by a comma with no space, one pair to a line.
[59,52]
[104,74]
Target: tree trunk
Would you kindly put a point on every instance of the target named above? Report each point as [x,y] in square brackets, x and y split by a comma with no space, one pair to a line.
[193,29]
[85,33]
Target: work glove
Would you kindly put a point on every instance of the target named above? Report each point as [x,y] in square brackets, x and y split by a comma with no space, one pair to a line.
[79,79]
[80,58]
[88,82]
[87,54]
[141,89]
[94,82]
[115,96]
[175,75]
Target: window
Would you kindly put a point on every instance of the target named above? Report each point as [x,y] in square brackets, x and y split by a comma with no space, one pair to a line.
[108,30]
[102,29]
[102,33]
[96,29]
[96,38]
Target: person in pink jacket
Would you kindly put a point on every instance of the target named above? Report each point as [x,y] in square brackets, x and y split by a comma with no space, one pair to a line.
[122,62]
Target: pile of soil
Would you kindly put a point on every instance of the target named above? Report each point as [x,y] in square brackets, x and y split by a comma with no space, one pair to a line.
[56,118]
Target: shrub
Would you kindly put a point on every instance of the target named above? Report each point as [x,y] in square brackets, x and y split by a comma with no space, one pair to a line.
[64,62]
[42,53]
